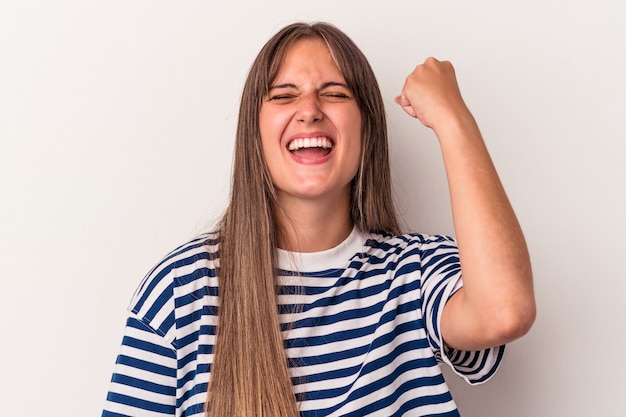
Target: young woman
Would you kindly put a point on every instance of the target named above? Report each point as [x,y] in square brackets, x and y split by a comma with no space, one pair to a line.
[307,300]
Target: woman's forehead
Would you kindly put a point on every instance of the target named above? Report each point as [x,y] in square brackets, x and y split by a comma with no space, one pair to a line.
[307,57]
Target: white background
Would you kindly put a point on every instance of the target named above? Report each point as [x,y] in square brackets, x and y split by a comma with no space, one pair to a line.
[117,121]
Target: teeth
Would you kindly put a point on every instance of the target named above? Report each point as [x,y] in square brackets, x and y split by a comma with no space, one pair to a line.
[319,142]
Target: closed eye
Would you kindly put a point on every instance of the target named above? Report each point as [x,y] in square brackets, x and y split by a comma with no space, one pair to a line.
[336,90]
[336,94]
[279,97]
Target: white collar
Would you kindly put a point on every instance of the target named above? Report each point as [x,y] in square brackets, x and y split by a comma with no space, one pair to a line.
[337,257]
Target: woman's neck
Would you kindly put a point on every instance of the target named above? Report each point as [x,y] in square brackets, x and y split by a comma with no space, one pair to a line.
[313,225]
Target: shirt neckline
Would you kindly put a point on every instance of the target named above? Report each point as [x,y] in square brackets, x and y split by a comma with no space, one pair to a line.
[333,258]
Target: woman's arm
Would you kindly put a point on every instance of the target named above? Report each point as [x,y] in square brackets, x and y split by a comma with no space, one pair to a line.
[496,304]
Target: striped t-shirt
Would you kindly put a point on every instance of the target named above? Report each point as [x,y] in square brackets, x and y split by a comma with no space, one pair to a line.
[364,340]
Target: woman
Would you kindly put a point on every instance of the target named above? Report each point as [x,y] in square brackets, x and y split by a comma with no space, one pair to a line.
[324,309]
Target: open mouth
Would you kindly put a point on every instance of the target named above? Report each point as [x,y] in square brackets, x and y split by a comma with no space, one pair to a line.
[310,147]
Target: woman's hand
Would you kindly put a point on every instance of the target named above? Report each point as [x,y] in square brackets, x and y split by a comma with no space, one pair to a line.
[431,94]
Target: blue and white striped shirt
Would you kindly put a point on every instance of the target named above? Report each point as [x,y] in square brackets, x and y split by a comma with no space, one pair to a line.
[364,341]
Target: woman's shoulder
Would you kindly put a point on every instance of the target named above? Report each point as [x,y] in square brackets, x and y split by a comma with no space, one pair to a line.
[408,241]
[188,262]
[416,249]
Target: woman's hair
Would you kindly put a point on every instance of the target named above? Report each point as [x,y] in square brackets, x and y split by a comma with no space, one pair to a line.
[249,376]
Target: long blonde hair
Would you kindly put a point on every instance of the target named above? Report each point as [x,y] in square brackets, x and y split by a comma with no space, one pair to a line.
[249,376]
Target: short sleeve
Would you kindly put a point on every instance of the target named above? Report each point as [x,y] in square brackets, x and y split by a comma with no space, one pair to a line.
[145,375]
[441,278]
[149,369]
[144,378]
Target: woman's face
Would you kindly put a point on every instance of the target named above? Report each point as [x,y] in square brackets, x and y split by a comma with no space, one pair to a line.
[310,126]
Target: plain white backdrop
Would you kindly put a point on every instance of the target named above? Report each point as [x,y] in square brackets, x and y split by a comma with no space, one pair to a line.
[117,121]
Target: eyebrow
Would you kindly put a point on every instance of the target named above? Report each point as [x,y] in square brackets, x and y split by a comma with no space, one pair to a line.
[324,85]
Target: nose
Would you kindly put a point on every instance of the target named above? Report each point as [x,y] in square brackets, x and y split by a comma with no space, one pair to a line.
[309,109]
